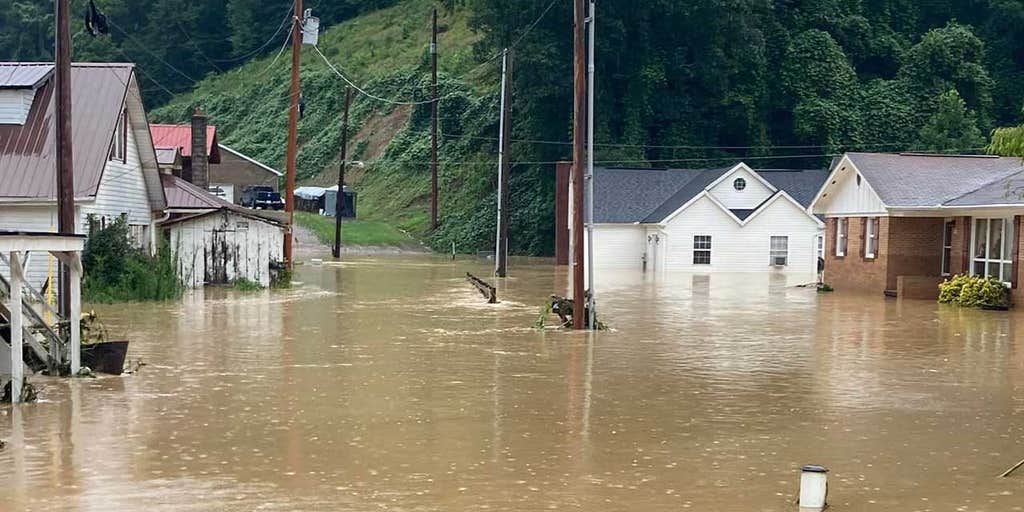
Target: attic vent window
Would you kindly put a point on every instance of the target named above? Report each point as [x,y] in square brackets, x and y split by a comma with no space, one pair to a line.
[858,180]
[739,184]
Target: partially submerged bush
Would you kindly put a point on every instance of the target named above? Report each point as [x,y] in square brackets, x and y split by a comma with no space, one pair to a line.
[973,291]
[117,271]
[244,284]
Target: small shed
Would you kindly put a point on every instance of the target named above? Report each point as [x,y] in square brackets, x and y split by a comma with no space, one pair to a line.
[331,198]
[225,245]
[310,199]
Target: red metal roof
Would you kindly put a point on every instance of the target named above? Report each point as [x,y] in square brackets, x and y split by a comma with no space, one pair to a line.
[180,136]
[28,152]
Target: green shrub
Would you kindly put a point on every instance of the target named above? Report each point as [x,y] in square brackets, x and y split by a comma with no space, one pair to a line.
[244,284]
[117,271]
[973,291]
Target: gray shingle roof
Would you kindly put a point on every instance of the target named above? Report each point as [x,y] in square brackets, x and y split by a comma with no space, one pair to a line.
[907,180]
[651,195]
[630,195]
[1009,190]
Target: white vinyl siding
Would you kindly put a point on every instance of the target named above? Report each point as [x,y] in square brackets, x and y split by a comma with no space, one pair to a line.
[15,105]
[122,190]
[619,245]
[846,197]
[752,195]
[742,248]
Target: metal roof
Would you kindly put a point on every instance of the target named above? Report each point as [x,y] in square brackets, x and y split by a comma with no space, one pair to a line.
[180,136]
[916,180]
[182,195]
[24,75]
[28,152]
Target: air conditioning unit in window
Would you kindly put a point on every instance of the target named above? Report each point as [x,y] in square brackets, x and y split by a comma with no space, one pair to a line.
[779,261]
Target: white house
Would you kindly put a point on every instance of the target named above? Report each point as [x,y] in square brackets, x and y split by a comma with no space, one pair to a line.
[734,219]
[115,166]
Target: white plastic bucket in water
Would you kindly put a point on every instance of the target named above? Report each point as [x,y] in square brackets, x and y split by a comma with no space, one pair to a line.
[813,487]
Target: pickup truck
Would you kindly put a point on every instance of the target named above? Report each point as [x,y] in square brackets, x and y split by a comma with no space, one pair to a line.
[261,197]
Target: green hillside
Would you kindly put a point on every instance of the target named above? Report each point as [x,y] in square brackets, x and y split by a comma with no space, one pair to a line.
[387,53]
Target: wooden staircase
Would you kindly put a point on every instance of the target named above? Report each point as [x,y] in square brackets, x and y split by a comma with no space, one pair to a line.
[41,338]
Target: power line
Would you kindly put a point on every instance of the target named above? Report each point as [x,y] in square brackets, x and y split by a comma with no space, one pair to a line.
[284,22]
[363,91]
[147,50]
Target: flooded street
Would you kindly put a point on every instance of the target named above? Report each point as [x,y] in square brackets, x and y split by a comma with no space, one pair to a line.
[386,383]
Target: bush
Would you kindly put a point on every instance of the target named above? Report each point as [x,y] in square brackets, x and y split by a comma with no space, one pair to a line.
[117,271]
[973,291]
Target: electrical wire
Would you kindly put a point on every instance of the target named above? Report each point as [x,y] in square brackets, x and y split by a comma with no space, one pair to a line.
[284,22]
[147,50]
[363,91]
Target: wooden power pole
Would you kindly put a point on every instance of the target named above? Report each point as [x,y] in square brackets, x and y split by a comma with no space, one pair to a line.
[501,247]
[578,134]
[433,124]
[339,203]
[293,123]
[65,168]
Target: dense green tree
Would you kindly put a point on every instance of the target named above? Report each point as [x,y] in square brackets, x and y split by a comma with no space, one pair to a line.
[952,128]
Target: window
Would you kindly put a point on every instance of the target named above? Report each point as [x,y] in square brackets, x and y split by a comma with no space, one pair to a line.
[870,237]
[739,184]
[119,147]
[840,237]
[702,250]
[992,242]
[779,251]
[947,246]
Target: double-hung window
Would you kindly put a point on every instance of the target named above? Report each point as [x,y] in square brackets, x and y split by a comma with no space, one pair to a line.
[992,243]
[871,237]
[947,246]
[779,252]
[840,237]
[702,249]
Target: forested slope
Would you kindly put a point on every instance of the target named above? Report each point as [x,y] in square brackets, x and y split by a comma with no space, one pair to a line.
[680,83]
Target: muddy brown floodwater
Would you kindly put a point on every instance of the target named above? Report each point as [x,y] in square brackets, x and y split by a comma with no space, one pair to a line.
[386,383]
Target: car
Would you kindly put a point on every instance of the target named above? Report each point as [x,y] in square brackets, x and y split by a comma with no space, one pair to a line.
[261,197]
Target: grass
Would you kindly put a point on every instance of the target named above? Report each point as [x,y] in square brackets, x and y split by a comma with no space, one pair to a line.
[386,51]
[354,232]
[243,284]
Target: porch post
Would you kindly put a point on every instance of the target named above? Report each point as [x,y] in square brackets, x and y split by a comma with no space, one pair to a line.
[17,359]
[75,272]
[965,245]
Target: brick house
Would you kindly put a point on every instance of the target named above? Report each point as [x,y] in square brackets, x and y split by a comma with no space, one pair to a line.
[901,223]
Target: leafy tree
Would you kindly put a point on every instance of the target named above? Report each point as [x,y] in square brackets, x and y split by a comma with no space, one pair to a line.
[952,128]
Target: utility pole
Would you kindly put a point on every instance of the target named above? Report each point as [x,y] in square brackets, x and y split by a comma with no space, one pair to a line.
[65,168]
[578,154]
[339,203]
[433,124]
[501,247]
[293,123]
[592,312]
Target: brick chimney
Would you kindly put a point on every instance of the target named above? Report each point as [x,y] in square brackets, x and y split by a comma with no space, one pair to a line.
[200,160]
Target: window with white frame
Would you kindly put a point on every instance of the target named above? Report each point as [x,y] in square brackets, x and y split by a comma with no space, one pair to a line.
[779,253]
[992,244]
[947,246]
[870,237]
[119,147]
[840,237]
[702,249]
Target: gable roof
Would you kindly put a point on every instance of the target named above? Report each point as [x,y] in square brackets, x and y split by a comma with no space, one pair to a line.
[182,195]
[180,136]
[29,75]
[251,160]
[926,180]
[1003,191]
[652,195]
[28,152]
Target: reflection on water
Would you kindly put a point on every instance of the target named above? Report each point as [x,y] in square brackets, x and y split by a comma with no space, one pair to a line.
[387,383]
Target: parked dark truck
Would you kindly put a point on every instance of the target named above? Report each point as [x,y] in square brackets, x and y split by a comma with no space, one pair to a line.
[261,197]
